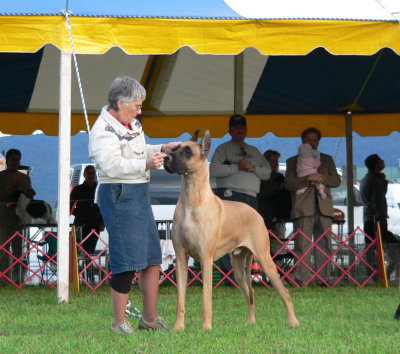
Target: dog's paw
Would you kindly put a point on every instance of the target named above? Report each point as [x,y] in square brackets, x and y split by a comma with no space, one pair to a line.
[294,323]
[250,322]
[178,327]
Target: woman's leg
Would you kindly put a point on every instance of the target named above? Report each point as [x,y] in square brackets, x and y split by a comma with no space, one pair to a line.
[148,283]
[119,301]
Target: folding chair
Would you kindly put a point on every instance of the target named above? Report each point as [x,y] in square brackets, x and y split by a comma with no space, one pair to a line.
[285,258]
[94,267]
[47,261]
[392,257]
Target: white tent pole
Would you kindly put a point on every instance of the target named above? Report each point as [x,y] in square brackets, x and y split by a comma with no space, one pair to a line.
[64,162]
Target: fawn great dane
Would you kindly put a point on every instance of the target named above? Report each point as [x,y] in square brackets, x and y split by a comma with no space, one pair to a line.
[206,228]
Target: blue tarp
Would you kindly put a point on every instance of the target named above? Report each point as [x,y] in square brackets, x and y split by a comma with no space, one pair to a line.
[122,8]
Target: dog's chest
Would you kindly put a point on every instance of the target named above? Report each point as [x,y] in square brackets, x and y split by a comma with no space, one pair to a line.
[193,231]
[188,230]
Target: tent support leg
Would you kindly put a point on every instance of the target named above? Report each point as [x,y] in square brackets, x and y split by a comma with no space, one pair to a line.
[349,167]
[238,83]
[350,184]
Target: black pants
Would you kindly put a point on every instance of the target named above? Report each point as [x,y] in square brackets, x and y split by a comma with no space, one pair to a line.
[387,237]
[90,244]
[226,264]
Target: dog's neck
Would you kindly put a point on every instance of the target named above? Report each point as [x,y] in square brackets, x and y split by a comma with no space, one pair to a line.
[197,186]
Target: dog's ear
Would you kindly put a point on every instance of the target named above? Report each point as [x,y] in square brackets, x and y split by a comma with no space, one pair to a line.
[205,144]
[195,135]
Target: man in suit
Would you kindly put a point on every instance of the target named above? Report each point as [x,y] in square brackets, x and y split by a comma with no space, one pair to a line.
[310,212]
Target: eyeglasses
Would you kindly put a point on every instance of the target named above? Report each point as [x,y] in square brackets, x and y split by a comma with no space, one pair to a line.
[137,107]
[243,151]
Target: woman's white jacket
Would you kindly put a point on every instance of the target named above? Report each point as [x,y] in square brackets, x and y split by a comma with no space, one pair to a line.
[119,153]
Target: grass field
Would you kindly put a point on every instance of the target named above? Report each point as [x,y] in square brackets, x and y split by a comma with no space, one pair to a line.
[334,320]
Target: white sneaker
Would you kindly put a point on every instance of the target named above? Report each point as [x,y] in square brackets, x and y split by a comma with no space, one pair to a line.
[124,327]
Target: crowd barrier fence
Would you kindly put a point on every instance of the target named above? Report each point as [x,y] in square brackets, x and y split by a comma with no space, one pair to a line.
[38,263]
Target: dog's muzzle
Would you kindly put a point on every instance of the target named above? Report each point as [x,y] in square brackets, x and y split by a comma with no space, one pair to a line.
[172,165]
[167,163]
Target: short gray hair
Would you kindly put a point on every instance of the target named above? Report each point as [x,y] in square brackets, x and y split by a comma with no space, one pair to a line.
[125,88]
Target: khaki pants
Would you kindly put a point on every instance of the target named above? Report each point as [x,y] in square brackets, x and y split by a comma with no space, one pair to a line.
[313,226]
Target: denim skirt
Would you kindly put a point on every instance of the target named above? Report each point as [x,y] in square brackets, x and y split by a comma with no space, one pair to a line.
[134,243]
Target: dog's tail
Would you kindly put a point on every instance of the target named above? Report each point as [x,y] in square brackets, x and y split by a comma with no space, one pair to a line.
[397,314]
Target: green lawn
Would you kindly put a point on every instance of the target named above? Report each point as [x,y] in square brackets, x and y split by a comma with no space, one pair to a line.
[341,319]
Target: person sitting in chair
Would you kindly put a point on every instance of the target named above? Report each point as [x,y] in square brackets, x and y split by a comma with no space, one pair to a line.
[87,213]
[274,201]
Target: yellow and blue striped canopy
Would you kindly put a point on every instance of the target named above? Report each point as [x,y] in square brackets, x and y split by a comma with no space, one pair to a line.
[305,63]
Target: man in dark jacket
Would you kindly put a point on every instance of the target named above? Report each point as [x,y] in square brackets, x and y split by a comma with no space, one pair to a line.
[373,190]
[87,214]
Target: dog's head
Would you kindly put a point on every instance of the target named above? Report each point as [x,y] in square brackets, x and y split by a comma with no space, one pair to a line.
[187,157]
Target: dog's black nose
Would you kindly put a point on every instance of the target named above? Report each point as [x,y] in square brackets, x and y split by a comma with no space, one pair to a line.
[167,160]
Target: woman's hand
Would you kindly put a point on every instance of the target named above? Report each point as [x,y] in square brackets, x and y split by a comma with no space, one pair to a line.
[155,161]
[167,148]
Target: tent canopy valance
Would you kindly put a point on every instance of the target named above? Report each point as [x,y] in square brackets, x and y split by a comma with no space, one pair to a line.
[287,27]
[185,91]
[304,63]
[205,36]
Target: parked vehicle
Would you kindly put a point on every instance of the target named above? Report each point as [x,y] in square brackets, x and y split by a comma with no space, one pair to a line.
[393,199]
[393,195]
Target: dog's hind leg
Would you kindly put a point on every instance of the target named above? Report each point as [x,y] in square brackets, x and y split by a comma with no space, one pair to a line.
[242,266]
[181,277]
[269,268]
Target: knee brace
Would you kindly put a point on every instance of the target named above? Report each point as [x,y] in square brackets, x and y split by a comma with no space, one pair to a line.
[122,282]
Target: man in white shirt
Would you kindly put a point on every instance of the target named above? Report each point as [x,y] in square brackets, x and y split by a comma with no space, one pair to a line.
[238,168]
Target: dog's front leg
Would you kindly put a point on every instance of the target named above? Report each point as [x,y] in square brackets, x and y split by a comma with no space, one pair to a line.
[206,267]
[181,276]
